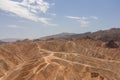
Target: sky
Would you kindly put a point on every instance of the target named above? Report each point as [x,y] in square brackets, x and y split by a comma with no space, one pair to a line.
[38,18]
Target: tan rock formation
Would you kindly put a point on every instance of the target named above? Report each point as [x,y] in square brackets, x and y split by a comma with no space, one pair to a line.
[82,59]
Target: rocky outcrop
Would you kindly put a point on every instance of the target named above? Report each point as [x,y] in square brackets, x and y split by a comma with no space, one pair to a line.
[111,44]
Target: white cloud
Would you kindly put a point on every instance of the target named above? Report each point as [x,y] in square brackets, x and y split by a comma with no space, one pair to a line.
[94,17]
[84,18]
[73,17]
[27,9]
[35,5]
[84,21]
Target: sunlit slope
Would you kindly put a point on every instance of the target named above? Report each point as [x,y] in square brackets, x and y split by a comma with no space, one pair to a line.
[80,59]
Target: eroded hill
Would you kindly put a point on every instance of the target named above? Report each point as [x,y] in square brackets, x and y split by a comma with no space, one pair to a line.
[59,59]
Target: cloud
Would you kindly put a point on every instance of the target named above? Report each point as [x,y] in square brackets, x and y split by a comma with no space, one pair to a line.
[73,17]
[28,9]
[35,5]
[84,21]
[84,18]
[94,17]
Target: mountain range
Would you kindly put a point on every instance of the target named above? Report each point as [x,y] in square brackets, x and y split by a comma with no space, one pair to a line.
[10,39]
[104,35]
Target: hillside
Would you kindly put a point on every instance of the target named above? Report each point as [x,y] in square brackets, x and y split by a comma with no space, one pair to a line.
[58,59]
[104,35]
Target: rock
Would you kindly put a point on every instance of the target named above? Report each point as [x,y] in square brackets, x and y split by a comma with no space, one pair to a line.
[111,44]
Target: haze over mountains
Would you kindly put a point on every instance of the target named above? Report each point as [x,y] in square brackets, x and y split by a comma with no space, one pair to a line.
[81,58]
[104,35]
[10,39]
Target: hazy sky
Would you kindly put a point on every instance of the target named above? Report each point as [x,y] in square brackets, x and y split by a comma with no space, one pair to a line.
[36,18]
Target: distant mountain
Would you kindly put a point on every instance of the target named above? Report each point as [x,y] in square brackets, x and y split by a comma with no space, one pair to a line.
[104,35]
[10,39]
[61,35]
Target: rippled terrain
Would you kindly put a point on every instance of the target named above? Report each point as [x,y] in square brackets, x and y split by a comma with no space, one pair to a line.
[59,59]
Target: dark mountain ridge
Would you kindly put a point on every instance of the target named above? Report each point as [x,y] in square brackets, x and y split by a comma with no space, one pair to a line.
[104,35]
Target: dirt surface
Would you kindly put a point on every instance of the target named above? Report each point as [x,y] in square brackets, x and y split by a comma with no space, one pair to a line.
[80,59]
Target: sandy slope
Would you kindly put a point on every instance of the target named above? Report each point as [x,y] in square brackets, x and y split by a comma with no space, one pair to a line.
[59,60]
